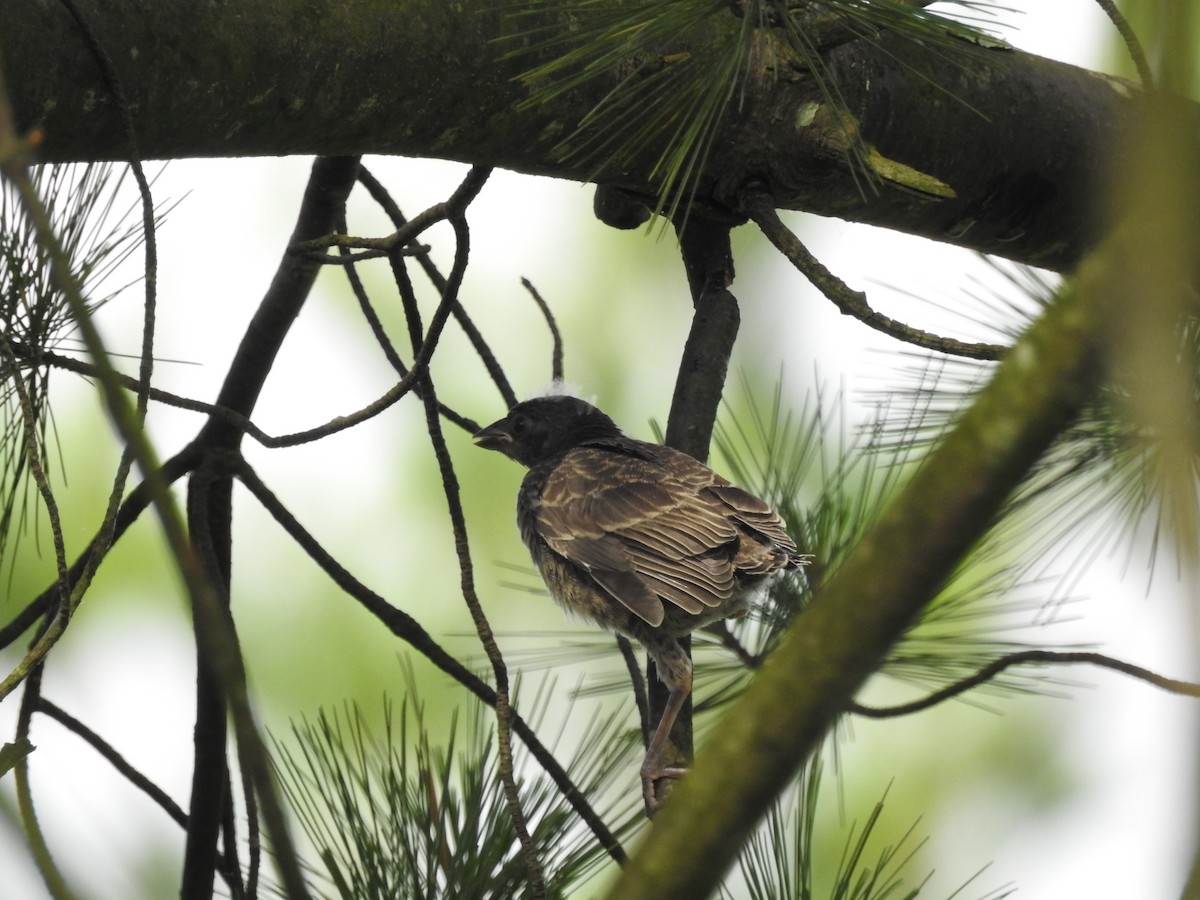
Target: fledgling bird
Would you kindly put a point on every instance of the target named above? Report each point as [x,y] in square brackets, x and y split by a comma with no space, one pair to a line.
[642,539]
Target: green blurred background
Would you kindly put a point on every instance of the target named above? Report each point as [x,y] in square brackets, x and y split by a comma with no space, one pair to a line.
[1043,790]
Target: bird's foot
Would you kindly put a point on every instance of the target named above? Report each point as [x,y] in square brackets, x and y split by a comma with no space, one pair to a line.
[650,778]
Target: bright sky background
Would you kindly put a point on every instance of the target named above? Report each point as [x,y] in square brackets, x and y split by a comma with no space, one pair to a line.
[1127,832]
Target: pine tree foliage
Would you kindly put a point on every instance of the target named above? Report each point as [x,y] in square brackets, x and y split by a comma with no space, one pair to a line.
[402,813]
[781,860]
[673,103]
[34,319]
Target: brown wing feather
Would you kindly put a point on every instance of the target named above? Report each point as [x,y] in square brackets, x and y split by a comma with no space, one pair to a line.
[659,525]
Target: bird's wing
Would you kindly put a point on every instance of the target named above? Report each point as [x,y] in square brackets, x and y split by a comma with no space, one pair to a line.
[642,526]
[761,520]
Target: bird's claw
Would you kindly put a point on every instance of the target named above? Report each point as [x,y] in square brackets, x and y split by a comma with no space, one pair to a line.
[650,778]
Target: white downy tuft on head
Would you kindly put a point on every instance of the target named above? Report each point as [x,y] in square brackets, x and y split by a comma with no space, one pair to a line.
[560,388]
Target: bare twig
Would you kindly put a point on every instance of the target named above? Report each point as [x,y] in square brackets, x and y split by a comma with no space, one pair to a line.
[381,196]
[150,304]
[556,354]
[398,241]
[241,423]
[64,601]
[1130,39]
[637,683]
[381,338]
[1025,657]
[135,504]
[450,489]
[759,206]
[729,641]
[115,759]
[125,768]
[55,883]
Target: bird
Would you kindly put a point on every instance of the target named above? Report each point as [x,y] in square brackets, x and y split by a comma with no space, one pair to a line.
[641,539]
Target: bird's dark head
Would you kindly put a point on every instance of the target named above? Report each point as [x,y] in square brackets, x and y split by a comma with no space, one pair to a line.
[542,428]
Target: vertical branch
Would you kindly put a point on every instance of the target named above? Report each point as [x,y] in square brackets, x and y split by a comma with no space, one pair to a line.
[210,769]
[708,262]
[55,883]
[220,676]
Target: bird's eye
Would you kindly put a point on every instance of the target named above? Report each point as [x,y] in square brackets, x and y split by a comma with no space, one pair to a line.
[519,424]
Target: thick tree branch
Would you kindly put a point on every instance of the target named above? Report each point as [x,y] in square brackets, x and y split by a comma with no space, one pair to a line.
[221,687]
[1020,142]
[699,383]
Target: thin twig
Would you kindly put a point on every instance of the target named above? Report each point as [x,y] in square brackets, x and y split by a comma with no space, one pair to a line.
[381,337]
[150,280]
[381,196]
[115,759]
[397,242]
[62,592]
[229,866]
[123,767]
[1130,39]
[637,682]
[450,490]
[236,420]
[556,355]
[439,212]
[135,504]
[39,849]
[125,417]
[1023,657]
[761,209]
[729,641]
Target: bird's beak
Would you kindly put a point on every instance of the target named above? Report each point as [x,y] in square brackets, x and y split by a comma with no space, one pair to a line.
[494,437]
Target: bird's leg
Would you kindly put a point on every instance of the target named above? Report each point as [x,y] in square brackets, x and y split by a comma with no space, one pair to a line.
[652,766]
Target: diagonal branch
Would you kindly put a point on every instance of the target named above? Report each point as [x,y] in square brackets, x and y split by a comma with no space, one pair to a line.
[135,504]
[381,337]
[115,759]
[761,209]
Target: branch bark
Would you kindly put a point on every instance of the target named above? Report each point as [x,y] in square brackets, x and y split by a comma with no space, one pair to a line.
[1021,141]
